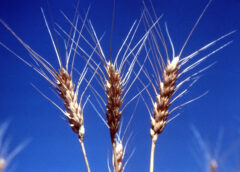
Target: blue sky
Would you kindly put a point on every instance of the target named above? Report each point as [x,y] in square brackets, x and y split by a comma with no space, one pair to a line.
[54,147]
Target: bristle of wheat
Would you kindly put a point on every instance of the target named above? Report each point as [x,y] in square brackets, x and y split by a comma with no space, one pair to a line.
[166,89]
[114,102]
[69,97]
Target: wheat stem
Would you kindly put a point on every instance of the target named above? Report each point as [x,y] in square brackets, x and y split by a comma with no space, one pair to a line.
[152,155]
[84,155]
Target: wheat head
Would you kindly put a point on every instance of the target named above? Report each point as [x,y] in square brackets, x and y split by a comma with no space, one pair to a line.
[166,90]
[116,84]
[167,74]
[6,155]
[114,93]
[2,164]
[60,78]
[65,88]
[213,166]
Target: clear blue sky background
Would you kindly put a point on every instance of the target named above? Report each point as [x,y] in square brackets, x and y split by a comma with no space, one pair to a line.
[54,147]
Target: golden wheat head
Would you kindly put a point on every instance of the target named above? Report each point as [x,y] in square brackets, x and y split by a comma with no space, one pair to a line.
[60,77]
[116,84]
[168,74]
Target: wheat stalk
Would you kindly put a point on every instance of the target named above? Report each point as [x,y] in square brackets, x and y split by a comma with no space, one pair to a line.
[167,76]
[116,82]
[61,78]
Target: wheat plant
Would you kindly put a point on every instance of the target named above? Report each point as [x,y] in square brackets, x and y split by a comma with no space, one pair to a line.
[167,73]
[169,76]
[61,76]
[117,83]
[6,156]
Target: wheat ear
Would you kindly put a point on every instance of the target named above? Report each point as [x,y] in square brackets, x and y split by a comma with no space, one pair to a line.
[167,75]
[7,156]
[117,84]
[61,78]
[2,164]
[213,166]
[114,102]
[211,161]
[113,113]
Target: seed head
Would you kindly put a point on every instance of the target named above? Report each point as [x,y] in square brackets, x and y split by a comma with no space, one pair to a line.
[2,164]
[114,102]
[166,89]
